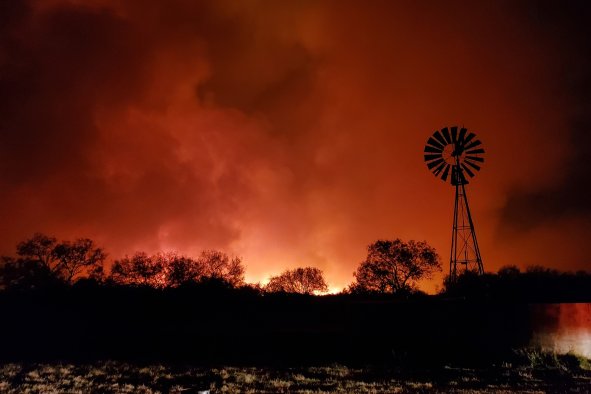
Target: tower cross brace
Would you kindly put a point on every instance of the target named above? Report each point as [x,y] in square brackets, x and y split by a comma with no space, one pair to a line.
[465,252]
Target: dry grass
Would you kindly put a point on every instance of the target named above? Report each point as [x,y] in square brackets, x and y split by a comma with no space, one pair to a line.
[117,377]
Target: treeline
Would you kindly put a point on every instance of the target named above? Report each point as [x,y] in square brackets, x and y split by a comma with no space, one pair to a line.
[43,262]
[535,284]
[168,306]
[392,268]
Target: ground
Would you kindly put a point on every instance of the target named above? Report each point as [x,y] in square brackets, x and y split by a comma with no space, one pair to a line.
[118,377]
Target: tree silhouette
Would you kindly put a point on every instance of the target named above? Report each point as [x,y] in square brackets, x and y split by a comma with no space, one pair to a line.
[139,270]
[78,257]
[180,270]
[172,270]
[469,284]
[395,266]
[41,257]
[19,273]
[40,250]
[218,265]
[509,271]
[535,284]
[300,280]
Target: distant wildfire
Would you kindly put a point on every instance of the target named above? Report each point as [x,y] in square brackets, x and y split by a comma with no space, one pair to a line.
[291,133]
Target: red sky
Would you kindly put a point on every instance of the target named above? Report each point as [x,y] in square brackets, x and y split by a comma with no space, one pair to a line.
[291,133]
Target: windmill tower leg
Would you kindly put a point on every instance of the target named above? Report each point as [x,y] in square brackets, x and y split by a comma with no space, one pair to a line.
[464,250]
[475,249]
[454,239]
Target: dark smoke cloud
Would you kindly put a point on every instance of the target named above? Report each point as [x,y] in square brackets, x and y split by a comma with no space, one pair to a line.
[57,67]
[66,66]
[288,132]
[566,28]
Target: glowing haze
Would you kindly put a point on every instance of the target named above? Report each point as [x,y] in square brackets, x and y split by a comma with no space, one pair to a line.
[291,132]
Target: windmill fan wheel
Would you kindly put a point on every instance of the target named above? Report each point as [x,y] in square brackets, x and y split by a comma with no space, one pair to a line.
[454,156]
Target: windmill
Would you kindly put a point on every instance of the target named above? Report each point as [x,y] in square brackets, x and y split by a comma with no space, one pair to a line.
[456,157]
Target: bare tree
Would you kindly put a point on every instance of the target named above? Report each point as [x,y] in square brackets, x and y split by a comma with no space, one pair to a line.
[80,256]
[306,280]
[64,260]
[40,249]
[140,269]
[181,269]
[395,266]
[172,270]
[218,265]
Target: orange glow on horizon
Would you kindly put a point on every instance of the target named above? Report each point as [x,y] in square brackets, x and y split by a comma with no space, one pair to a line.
[291,133]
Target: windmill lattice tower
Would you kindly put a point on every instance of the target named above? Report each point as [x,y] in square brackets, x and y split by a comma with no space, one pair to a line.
[454,156]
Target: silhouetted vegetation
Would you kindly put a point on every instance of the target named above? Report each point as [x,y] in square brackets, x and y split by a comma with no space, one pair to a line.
[306,280]
[42,261]
[139,270]
[536,284]
[390,268]
[172,270]
[168,306]
[393,267]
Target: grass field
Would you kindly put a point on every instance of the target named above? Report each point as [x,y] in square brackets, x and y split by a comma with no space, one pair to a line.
[539,373]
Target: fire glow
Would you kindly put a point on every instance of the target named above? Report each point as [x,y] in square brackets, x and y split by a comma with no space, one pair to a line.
[563,328]
[289,133]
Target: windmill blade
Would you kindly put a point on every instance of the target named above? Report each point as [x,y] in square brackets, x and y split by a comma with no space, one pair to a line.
[468,170]
[458,177]
[463,178]
[475,151]
[473,144]
[435,163]
[445,132]
[475,158]
[439,138]
[431,149]
[436,144]
[445,172]
[438,169]
[454,134]
[432,157]
[469,138]
[476,167]
[462,135]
